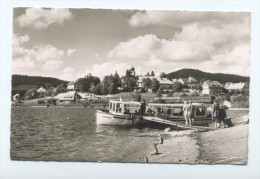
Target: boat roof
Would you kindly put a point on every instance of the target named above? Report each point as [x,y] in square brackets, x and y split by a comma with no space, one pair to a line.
[125,102]
[172,105]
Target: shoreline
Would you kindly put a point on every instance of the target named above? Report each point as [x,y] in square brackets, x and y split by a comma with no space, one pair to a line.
[222,146]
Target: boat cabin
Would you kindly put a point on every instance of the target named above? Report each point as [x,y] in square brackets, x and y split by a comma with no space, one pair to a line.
[176,110]
[124,107]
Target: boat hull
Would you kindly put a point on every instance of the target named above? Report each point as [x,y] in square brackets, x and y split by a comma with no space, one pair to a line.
[103,118]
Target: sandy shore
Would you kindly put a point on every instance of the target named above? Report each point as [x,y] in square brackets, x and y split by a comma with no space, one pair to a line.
[225,145]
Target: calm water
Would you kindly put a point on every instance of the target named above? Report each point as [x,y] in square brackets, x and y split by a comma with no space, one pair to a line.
[71,134]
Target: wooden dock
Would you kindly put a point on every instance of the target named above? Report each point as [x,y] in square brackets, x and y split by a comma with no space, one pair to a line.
[175,124]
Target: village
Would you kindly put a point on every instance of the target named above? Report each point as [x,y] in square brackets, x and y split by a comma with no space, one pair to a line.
[90,90]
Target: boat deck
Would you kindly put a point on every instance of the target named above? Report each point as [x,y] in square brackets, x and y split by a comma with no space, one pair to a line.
[175,124]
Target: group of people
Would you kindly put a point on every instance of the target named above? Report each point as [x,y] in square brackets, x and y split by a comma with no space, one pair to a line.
[218,114]
[188,113]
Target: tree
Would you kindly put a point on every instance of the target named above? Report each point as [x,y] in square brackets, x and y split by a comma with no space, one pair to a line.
[198,87]
[147,74]
[92,88]
[177,87]
[155,85]
[116,81]
[89,82]
[60,88]
[130,80]
[159,93]
[98,89]
[47,85]
[245,89]
[163,75]
[31,94]
[152,73]
[106,84]
[147,83]
[51,91]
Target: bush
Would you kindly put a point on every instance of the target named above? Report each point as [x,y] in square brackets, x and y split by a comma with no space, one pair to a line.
[160,101]
[41,101]
[183,95]
[51,101]
[195,94]
[86,103]
[239,98]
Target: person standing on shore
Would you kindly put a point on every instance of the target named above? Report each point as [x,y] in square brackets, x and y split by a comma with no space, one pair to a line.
[190,112]
[215,110]
[222,116]
[184,109]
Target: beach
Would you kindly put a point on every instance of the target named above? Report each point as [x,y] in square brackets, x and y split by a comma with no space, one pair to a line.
[221,146]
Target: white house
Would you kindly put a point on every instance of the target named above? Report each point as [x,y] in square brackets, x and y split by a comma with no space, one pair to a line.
[41,90]
[212,87]
[234,86]
[164,82]
[68,97]
[190,82]
[76,85]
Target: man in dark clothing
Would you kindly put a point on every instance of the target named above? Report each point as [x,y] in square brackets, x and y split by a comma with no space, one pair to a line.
[222,115]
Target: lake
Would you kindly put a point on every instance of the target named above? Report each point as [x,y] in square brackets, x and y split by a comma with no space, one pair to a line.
[71,134]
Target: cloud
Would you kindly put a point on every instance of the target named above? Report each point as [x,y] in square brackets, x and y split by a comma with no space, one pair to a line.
[108,68]
[68,73]
[71,51]
[41,18]
[213,48]
[51,65]
[139,47]
[47,57]
[189,45]
[182,18]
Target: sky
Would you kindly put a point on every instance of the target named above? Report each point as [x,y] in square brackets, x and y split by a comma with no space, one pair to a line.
[71,43]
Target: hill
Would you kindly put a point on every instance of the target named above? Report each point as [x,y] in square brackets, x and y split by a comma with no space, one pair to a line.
[200,75]
[21,83]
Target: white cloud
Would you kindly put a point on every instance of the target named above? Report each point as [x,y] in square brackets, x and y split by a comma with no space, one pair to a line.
[40,18]
[52,65]
[68,73]
[182,18]
[47,57]
[71,51]
[108,68]
[139,47]
[205,47]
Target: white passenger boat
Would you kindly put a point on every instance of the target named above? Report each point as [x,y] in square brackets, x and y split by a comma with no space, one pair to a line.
[119,113]
[201,114]
[130,112]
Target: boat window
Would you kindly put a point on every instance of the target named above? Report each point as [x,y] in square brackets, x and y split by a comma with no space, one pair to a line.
[110,106]
[169,111]
[114,106]
[177,111]
[200,111]
[126,109]
[118,108]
